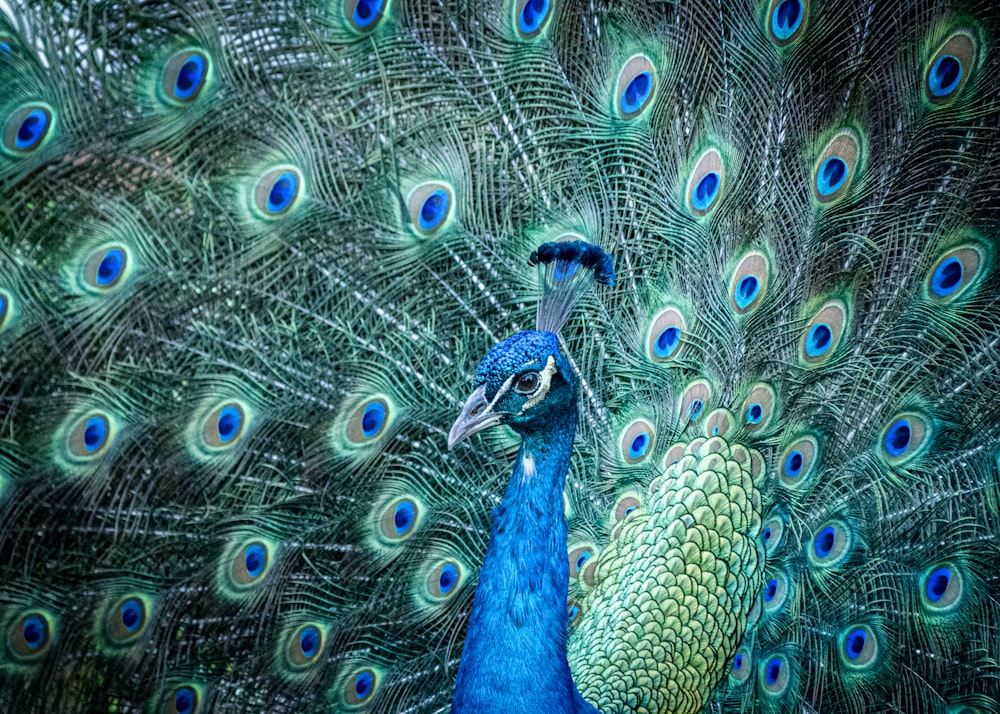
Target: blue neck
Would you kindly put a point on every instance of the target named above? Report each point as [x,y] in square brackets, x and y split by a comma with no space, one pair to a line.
[514,659]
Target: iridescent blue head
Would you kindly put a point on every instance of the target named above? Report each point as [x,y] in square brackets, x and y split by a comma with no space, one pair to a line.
[525,381]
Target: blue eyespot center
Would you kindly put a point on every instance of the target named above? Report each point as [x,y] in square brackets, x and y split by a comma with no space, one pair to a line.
[793,464]
[818,340]
[255,559]
[131,614]
[583,558]
[639,446]
[738,661]
[434,210]
[705,191]
[667,341]
[771,590]
[832,175]
[897,438]
[447,578]
[403,517]
[533,15]
[854,645]
[366,12]
[746,291]
[947,277]
[773,671]
[573,612]
[372,419]
[110,267]
[190,77]
[755,413]
[32,130]
[184,699]
[937,584]
[364,683]
[786,18]
[282,193]
[766,535]
[94,433]
[694,409]
[33,630]
[636,92]
[945,75]
[309,639]
[228,423]
[825,541]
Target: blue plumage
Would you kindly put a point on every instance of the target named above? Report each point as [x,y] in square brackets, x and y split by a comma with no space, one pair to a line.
[746,460]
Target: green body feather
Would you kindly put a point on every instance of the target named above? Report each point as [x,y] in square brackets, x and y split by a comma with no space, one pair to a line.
[252,252]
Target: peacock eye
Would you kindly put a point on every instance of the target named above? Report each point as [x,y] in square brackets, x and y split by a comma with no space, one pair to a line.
[527,383]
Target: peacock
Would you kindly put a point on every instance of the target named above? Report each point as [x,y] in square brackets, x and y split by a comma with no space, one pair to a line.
[418,356]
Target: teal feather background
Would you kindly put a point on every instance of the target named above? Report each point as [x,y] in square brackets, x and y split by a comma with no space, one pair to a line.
[230,435]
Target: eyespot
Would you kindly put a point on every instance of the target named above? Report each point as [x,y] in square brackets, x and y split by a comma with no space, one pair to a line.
[360,687]
[574,611]
[528,383]
[823,333]
[637,441]
[90,437]
[831,544]
[126,620]
[305,646]
[786,19]
[399,519]
[742,665]
[772,534]
[444,580]
[27,128]
[904,438]
[797,462]
[949,69]
[185,699]
[665,335]
[430,207]
[775,593]
[532,16]
[30,635]
[696,397]
[705,184]
[858,646]
[105,267]
[224,426]
[583,563]
[774,675]
[837,165]
[5,310]
[749,283]
[719,422]
[941,588]
[953,273]
[626,506]
[277,191]
[758,407]
[636,86]
[250,564]
[369,420]
[364,14]
[185,76]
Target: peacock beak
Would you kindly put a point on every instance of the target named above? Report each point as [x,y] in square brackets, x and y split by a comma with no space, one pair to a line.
[476,415]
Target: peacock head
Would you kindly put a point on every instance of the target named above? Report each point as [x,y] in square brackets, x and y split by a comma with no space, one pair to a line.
[524,381]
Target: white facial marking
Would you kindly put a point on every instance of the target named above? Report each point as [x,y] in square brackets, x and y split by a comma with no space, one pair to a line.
[543,389]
